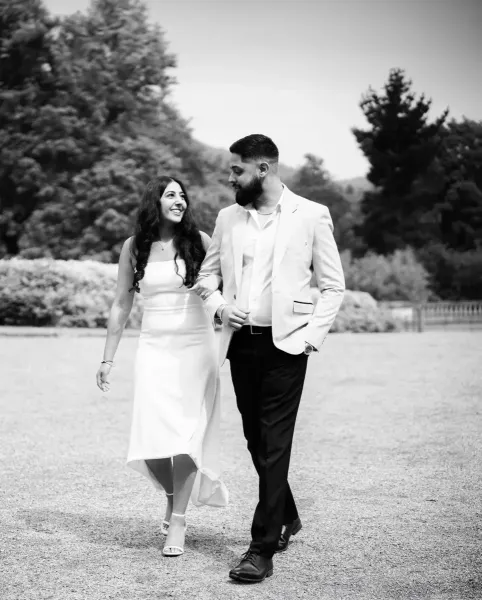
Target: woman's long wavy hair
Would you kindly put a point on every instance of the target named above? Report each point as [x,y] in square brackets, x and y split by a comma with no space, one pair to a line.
[187,239]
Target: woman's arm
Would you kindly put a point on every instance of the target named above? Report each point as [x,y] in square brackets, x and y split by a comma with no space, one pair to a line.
[122,305]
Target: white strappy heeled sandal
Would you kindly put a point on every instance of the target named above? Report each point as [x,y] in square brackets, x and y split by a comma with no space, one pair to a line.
[165,524]
[174,550]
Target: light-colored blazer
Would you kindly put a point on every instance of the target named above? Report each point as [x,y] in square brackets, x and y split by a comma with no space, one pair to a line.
[304,243]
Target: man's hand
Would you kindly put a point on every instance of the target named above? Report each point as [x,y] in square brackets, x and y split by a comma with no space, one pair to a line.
[233,317]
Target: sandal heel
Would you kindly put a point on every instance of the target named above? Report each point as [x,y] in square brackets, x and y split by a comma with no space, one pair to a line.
[172,550]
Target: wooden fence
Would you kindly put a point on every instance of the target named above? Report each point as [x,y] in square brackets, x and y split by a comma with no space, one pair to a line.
[437,315]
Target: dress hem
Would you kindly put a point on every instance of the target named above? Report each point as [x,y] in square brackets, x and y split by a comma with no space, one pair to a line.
[218,496]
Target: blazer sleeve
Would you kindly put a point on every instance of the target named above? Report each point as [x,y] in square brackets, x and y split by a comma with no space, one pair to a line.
[329,280]
[211,281]
[211,267]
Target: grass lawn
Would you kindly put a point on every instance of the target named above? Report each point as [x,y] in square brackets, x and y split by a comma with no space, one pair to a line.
[386,469]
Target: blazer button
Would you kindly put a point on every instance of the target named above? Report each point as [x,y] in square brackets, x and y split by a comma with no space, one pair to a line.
[234,296]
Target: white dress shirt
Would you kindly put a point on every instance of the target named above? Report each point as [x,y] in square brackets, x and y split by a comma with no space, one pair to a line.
[255,294]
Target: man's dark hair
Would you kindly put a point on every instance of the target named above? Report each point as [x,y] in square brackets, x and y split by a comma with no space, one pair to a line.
[255,146]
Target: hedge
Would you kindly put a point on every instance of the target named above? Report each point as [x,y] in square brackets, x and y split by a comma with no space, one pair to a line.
[59,293]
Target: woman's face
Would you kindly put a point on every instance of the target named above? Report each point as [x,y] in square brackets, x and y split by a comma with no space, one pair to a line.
[173,203]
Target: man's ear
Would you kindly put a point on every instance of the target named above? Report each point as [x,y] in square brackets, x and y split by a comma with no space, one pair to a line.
[263,168]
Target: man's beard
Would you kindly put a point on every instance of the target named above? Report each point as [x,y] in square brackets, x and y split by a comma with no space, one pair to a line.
[249,193]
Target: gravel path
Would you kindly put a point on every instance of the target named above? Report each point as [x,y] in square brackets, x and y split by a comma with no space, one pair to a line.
[385,468]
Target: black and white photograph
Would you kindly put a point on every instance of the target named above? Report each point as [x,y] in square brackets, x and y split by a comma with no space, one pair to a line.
[240,299]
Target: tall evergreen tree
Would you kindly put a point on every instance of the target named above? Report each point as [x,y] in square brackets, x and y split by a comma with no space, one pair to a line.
[401,146]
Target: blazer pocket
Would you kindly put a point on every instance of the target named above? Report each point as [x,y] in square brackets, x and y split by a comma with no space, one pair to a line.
[303,308]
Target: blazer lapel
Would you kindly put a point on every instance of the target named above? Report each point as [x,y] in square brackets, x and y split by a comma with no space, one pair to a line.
[237,234]
[285,227]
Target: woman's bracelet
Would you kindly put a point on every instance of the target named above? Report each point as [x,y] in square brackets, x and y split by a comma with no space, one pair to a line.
[107,362]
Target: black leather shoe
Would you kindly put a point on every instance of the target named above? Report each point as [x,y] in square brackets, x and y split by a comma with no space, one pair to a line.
[253,568]
[289,530]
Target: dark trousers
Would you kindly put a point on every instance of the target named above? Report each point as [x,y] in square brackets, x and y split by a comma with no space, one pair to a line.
[268,384]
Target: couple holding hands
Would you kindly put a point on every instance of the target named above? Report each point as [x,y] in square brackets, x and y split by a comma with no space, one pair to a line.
[243,295]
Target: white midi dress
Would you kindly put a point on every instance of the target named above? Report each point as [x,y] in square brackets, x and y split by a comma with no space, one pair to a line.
[176,406]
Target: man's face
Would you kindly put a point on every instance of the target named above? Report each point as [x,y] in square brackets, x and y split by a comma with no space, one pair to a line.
[245,180]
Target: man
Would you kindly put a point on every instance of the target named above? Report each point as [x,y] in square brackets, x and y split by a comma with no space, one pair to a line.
[265,249]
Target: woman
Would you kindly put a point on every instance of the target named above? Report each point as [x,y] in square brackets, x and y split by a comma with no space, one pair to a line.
[175,426]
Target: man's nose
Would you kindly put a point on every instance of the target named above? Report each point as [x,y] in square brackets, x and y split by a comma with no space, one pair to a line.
[231,178]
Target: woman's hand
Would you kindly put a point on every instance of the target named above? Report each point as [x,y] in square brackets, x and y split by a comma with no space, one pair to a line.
[102,376]
[202,291]
[205,286]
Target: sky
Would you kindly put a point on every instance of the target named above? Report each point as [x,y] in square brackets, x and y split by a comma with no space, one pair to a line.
[296,69]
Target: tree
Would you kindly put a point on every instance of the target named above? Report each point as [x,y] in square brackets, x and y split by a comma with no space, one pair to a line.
[114,64]
[312,181]
[27,89]
[86,120]
[454,275]
[401,145]
[460,206]
[453,187]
